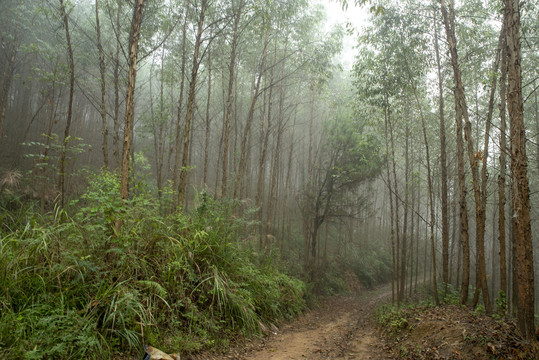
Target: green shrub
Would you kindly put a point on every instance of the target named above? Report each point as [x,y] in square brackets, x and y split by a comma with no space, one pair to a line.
[116,274]
[450,295]
[44,331]
[371,266]
[501,303]
[391,318]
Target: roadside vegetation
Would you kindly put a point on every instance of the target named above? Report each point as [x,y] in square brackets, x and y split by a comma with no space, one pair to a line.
[76,285]
[420,330]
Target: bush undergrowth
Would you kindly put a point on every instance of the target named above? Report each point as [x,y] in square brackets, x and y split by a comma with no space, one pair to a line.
[87,282]
[369,267]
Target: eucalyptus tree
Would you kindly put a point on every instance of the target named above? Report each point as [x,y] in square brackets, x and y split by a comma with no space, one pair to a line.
[10,43]
[279,136]
[302,69]
[462,115]
[237,8]
[161,24]
[116,25]
[302,56]
[411,61]
[208,121]
[519,162]
[378,87]
[479,67]
[176,173]
[387,78]
[529,29]
[133,48]
[61,177]
[266,127]
[267,13]
[191,100]
[529,34]
[418,44]
[158,118]
[26,90]
[443,164]
[101,53]
[501,176]
[350,158]
[250,115]
[410,46]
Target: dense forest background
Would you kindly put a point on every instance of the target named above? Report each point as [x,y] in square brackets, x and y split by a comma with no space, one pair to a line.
[163,164]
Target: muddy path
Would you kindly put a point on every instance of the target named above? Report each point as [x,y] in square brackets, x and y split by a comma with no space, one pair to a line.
[339,328]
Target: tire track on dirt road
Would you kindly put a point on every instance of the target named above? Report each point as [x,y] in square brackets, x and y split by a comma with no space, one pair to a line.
[339,328]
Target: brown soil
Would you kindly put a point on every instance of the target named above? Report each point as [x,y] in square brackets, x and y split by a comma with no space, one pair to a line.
[344,328]
[339,328]
[455,332]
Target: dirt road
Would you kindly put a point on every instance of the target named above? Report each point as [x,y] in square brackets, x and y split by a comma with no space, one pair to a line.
[340,328]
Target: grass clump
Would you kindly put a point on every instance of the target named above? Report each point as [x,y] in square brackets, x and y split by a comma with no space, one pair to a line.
[392,318]
[88,281]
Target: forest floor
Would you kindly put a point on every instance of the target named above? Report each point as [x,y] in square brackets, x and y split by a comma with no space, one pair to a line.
[341,327]
[454,332]
[346,327]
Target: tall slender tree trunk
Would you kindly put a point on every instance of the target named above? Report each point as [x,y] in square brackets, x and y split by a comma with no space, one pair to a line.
[405,221]
[513,265]
[418,231]
[480,195]
[311,135]
[5,94]
[519,173]
[154,126]
[474,157]
[412,228]
[116,126]
[431,195]
[46,149]
[63,155]
[390,190]
[250,115]
[158,125]
[178,139]
[103,109]
[265,121]
[217,182]
[288,180]
[396,194]
[429,182]
[443,166]
[493,256]
[9,72]
[501,176]
[160,155]
[170,127]
[208,124]
[266,130]
[481,271]
[462,114]
[536,125]
[484,157]
[229,100]
[191,104]
[134,37]
[453,212]
[276,156]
